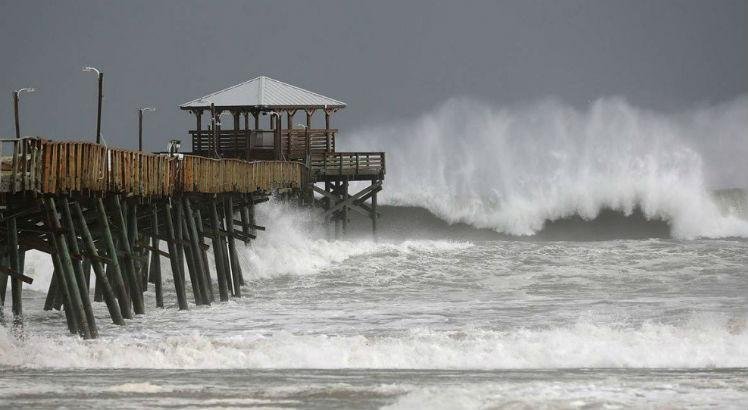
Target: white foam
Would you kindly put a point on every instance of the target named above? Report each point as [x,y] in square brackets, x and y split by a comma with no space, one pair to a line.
[294,244]
[512,169]
[702,342]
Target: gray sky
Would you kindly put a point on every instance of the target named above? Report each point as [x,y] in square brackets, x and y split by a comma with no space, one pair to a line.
[387,60]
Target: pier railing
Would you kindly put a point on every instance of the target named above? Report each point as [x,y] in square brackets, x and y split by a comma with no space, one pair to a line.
[352,165]
[294,144]
[49,167]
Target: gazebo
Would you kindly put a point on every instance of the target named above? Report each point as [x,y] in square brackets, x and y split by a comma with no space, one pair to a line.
[259,98]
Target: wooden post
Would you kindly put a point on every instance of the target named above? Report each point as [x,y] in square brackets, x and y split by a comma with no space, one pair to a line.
[67,274]
[102,282]
[134,236]
[52,292]
[202,277]
[374,215]
[98,112]
[15,113]
[278,148]
[136,295]
[123,298]
[183,235]
[217,253]
[237,128]
[198,132]
[70,316]
[72,240]
[155,273]
[203,253]
[236,269]
[177,265]
[327,130]
[344,211]
[15,265]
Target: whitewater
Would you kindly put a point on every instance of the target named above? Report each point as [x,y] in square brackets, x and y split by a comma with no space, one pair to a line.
[462,302]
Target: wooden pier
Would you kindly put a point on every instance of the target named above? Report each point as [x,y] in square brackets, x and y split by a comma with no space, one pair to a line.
[108,210]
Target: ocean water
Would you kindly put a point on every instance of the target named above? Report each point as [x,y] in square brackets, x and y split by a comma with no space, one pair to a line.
[533,275]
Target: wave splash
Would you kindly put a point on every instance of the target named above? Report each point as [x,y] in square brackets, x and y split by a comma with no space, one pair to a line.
[702,342]
[513,169]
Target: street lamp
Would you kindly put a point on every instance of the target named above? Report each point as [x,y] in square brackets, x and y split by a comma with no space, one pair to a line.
[140,125]
[100,76]
[16,97]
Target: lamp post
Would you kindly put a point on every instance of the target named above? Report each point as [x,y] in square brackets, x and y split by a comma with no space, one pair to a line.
[140,125]
[16,97]
[100,77]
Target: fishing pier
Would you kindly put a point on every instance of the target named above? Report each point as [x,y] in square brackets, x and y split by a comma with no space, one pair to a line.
[117,212]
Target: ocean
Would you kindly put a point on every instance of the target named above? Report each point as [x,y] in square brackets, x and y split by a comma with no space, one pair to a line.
[572,270]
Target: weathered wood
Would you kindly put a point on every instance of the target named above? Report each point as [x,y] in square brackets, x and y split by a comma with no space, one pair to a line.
[202,278]
[15,265]
[155,272]
[123,298]
[236,269]
[204,253]
[176,263]
[102,281]
[67,272]
[218,254]
[184,250]
[62,289]
[80,279]
[133,281]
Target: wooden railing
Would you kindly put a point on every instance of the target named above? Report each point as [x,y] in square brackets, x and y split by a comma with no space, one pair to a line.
[49,167]
[244,143]
[349,164]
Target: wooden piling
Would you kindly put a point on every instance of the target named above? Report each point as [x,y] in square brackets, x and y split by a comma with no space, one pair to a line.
[236,269]
[155,271]
[204,253]
[123,298]
[218,255]
[195,250]
[67,272]
[132,279]
[184,239]
[70,317]
[102,281]
[80,278]
[176,264]
[15,265]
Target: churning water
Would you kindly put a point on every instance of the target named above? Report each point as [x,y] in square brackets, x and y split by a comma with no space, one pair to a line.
[452,316]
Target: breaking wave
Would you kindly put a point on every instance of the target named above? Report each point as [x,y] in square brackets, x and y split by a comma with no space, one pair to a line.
[514,169]
[702,342]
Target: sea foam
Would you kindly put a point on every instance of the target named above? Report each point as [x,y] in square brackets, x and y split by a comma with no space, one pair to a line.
[702,342]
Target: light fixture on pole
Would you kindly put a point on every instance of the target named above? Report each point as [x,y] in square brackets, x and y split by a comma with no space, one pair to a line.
[100,77]
[16,97]
[140,125]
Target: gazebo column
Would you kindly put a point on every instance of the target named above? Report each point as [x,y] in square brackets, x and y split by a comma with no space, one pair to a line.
[237,128]
[289,124]
[275,119]
[198,132]
[247,136]
[327,130]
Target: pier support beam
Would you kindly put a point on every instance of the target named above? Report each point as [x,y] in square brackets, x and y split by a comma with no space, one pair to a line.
[102,282]
[132,274]
[177,265]
[114,269]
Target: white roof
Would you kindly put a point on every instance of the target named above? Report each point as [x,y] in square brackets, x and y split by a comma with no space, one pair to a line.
[264,92]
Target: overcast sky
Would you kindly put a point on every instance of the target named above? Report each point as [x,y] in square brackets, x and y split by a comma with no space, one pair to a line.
[387,60]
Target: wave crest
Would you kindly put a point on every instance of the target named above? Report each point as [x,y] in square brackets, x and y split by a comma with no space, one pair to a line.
[513,169]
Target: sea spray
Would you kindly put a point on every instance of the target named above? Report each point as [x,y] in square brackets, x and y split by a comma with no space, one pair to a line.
[512,169]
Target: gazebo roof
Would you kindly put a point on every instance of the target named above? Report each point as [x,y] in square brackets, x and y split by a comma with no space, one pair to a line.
[264,92]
